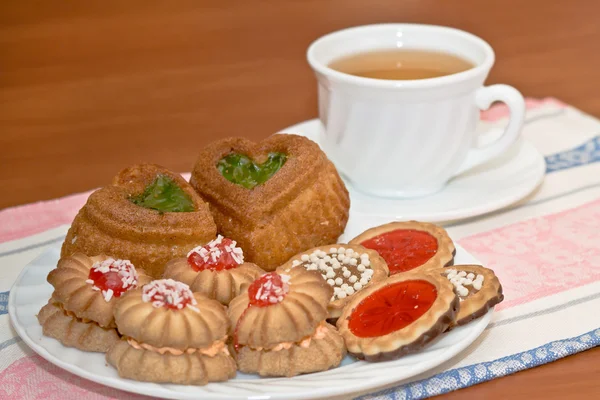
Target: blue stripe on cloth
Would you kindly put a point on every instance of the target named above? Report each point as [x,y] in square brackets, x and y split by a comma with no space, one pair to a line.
[3,303]
[470,375]
[32,246]
[587,153]
[9,342]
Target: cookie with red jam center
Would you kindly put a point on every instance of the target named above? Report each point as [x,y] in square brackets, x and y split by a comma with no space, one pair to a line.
[217,270]
[167,329]
[398,316]
[279,328]
[409,246]
[88,287]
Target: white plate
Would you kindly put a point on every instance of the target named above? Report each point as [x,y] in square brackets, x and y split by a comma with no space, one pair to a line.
[31,291]
[489,187]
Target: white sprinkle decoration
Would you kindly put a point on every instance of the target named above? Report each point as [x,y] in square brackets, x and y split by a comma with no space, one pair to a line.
[108,294]
[168,292]
[273,293]
[123,268]
[212,251]
[461,280]
[346,270]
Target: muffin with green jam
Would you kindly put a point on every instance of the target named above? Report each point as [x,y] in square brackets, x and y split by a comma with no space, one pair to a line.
[149,215]
[276,198]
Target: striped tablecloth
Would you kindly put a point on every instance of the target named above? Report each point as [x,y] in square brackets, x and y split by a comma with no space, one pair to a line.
[545,249]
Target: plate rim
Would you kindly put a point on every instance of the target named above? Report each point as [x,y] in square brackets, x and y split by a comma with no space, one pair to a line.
[315,393]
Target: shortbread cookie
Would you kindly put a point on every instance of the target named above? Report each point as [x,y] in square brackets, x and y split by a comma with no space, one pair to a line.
[73,332]
[279,325]
[322,351]
[398,316]
[348,269]
[171,335]
[478,289]
[89,287]
[216,270]
[409,246]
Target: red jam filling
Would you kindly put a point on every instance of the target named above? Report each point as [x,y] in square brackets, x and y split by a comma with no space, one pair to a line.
[392,308]
[403,249]
[115,275]
[269,289]
[218,255]
[265,291]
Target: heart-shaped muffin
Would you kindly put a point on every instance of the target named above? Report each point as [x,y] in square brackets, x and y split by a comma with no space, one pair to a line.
[149,215]
[276,198]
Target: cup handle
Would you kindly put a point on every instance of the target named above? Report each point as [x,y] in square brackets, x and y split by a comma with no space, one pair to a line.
[484,97]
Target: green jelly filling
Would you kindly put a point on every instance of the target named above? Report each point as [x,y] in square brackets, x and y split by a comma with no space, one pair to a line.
[241,170]
[164,195]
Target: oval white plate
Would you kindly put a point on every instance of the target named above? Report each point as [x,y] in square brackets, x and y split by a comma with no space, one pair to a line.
[489,187]
[31,291]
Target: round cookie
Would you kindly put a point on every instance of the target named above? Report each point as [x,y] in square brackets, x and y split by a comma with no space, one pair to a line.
[278,325]
[171,335]
[409,246]
[88,287]
[398,316]
[73,332]
[216,270]
[348,269]
[477,288]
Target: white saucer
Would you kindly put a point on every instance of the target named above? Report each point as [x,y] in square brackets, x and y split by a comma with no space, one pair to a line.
[487,188]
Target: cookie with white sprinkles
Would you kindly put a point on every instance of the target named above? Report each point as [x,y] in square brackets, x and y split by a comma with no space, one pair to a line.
[477,288]
[346,268]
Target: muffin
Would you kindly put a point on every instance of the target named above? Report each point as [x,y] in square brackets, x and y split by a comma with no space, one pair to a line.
[276,198]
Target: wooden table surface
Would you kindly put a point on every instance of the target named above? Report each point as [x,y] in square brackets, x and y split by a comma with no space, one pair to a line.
[87,88]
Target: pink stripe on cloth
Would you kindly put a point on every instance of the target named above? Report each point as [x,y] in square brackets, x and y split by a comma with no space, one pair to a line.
[542,256]
[499,111]
[26,220]
[34,378]
[22,221]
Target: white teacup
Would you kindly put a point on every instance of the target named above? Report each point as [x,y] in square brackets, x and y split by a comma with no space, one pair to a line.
[407,138]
